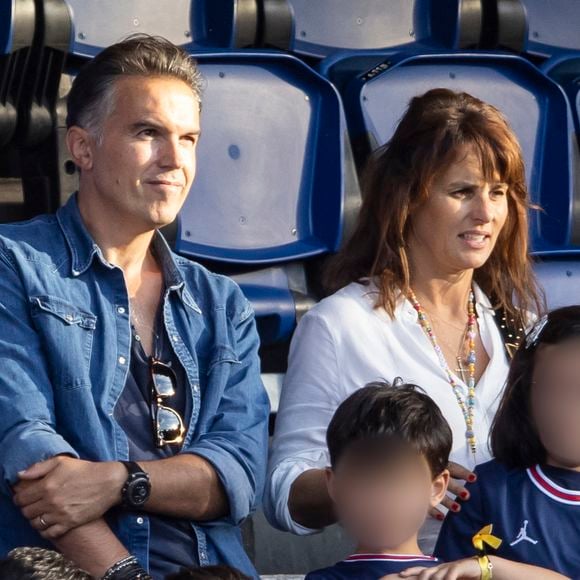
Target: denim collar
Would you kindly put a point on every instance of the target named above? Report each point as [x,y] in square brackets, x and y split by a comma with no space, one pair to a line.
[83,250]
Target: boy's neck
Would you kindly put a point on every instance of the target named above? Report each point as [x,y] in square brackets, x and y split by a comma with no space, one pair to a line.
[409,547]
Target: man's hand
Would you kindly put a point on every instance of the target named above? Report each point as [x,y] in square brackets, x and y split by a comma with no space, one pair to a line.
[62,493]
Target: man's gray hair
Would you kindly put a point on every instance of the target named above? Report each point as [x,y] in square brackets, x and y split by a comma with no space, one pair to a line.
[91,98]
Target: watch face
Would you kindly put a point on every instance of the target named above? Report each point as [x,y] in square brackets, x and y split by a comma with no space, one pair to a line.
[139,492]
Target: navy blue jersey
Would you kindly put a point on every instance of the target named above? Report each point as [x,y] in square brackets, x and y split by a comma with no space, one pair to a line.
[371,566]
[536,512]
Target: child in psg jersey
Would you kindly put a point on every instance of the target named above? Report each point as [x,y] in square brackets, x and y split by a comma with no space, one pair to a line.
[530,492]
[389,449]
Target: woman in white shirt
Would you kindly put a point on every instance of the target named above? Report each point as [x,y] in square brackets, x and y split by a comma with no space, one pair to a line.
[439,250]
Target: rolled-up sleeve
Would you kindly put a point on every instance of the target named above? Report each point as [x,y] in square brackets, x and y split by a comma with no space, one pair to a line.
[236,443]
[27,417]
[310,396]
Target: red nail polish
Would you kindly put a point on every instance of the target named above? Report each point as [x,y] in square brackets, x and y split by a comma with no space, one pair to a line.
[455,507]
[440,517]
[471,478]
[463,495]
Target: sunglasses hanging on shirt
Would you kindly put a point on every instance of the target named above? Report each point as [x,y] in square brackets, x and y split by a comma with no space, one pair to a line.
[168,426]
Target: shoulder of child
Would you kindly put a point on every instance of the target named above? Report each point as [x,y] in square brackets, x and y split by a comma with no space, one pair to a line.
[319,574]
[494,474]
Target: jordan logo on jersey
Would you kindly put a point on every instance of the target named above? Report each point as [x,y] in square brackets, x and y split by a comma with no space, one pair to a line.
[523,535]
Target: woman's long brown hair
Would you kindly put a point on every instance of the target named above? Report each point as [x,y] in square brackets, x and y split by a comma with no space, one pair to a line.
[397,181]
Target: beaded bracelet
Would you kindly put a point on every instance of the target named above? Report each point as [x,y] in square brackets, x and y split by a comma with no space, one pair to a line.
[486,567]
[127,568]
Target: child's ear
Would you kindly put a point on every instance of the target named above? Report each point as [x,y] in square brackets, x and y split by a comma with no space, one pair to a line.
[439,487]
[330,482]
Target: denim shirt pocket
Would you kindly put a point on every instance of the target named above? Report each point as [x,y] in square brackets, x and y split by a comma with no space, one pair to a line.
[67,332]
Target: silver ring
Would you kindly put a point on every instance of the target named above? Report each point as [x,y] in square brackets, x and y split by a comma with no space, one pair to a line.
[43,522]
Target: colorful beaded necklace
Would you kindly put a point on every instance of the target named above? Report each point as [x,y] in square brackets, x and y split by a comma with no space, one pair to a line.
[467,405]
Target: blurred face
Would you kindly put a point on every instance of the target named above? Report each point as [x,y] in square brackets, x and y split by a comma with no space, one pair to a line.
[555,398]
[383,507]
[143,166]
[457,227]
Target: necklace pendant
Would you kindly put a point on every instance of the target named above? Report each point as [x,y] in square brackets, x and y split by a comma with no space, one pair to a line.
[461,370]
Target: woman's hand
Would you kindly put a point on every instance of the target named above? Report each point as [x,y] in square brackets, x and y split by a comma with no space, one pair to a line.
[457,472]
[467,569]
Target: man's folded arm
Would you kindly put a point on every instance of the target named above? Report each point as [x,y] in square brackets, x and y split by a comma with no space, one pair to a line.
[222,474]
[27,417]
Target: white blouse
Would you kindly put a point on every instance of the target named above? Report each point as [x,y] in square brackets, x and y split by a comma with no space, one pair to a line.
[343,343]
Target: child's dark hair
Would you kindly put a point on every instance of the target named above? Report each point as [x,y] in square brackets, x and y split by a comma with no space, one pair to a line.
[514,438]
[391,414]
[219,572]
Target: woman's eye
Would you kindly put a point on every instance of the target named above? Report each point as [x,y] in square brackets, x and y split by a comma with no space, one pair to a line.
[460,193]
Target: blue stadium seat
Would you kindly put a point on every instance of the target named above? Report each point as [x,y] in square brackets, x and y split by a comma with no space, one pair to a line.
[552,26]
[193,24]
[322,27]
[559,271]
[559,275]
[534,104]
[270,187]
[564,68]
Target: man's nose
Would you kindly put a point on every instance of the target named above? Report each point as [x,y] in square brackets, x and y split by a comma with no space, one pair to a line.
[171,154]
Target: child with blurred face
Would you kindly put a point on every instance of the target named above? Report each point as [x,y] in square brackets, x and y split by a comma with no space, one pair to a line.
[530,492]
[389,448]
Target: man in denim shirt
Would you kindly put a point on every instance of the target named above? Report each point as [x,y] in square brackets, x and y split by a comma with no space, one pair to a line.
[133,421]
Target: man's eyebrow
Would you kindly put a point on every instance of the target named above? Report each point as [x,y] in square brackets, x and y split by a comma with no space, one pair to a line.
[146,124]
[150,124]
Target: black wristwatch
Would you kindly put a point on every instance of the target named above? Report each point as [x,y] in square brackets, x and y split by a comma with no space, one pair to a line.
[137,488]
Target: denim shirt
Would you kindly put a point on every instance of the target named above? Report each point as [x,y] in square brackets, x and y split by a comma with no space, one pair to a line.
[65,342]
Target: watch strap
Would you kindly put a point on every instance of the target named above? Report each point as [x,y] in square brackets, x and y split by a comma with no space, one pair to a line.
[133,468]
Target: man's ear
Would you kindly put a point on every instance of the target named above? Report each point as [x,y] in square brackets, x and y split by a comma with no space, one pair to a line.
[80,144]
[330,482]
[439,487]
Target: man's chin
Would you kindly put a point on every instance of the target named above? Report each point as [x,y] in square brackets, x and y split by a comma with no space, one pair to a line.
[161,218]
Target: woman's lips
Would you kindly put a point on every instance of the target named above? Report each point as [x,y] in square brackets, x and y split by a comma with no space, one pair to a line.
[475,240]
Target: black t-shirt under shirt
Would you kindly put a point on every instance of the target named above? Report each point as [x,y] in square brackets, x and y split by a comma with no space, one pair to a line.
[172,541]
